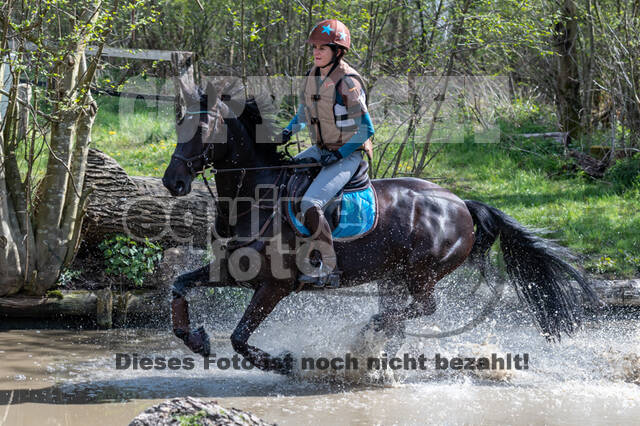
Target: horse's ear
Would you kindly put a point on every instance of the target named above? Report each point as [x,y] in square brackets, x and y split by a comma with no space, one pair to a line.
[185,86]
[212,91]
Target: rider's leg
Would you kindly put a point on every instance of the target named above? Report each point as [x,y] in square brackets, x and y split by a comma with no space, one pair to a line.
[312,152]
[329,181]
[322,254]
[324,187]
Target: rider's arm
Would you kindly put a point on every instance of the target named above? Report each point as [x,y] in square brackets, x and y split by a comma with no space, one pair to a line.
[298,122]
[365,131]
[355,99]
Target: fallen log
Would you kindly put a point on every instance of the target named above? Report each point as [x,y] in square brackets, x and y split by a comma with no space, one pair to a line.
[102,307]
[591,166]
[75,303]
[560,137]
[106,308]
[141,207]
[619,292]
[151,307]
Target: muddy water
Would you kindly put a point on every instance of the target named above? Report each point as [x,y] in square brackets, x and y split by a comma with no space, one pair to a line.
[50,377]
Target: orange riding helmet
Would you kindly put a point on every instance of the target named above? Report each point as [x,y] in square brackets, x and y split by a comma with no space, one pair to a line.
[331,32]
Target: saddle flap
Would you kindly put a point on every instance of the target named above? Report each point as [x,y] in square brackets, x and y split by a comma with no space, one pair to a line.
[360,179]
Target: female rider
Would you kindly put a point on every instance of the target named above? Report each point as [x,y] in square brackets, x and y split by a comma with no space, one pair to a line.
[333,106]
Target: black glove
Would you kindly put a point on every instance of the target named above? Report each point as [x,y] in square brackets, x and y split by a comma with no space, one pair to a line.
[303,160]
[283,137]
[330,158]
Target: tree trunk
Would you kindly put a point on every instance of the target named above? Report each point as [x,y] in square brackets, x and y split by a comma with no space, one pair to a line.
[568,83]
[142,207]
[61,196]
[10,241]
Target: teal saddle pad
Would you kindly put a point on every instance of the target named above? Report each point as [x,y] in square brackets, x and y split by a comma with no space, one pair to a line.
[358,214]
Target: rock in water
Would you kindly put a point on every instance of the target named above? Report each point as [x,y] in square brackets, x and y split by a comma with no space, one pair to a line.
[194,411]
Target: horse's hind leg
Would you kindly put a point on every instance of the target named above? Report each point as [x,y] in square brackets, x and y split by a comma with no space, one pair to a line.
[392,299]
[394,308]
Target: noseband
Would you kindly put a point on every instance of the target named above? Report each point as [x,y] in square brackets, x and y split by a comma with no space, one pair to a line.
[204,155]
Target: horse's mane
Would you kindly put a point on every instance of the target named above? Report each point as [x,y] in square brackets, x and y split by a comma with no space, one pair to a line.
[258,110]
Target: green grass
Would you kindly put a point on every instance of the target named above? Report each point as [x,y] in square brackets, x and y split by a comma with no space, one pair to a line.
[525,178]
[141,138]
[589,217]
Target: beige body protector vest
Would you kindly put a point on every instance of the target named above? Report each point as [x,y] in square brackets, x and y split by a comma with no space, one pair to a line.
[331,125]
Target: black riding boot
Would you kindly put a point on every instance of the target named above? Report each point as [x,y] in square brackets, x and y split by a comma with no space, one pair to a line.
[323,261]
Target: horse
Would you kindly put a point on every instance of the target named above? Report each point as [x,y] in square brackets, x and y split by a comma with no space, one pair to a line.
[423,233]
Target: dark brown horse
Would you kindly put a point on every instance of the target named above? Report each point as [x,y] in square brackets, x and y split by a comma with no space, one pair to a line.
[423,233]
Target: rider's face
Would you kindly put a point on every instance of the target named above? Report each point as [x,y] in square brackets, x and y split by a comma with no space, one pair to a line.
[322,54]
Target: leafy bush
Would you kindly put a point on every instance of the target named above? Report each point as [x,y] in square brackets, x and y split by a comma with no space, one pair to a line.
[191,420]
[67,276]
[605,264]
[525,115]
[127,258]
[624,173]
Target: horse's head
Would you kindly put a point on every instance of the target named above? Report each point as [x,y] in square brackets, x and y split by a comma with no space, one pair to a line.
[197,127]
[237,133]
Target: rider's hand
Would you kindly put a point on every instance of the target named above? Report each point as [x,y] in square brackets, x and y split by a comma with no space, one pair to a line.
[303,160]
[330,158]
[283,137]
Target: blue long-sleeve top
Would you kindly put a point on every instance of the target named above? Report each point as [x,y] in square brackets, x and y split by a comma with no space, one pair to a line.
[364,132]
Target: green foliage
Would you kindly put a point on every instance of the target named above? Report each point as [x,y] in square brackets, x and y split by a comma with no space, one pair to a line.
[67,275]
[605,264]
[237,298]
[625,173]
[525,115]
[191,420]
[127,258]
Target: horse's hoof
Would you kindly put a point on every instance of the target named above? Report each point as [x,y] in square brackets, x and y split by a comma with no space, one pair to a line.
[198,342]
[378,323]
[283,363]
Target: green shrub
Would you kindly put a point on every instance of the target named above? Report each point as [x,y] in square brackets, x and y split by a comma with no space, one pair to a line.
[127,258]
[67,276]
[624,173]
[525,115]
[191,420]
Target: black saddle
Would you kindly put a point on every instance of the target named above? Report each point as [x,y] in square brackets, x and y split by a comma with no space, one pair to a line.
[302,177]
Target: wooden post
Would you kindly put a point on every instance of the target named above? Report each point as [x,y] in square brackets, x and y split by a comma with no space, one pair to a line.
[104,308]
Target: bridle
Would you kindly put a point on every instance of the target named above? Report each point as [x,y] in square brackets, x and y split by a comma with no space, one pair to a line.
[207,158]
[204,155]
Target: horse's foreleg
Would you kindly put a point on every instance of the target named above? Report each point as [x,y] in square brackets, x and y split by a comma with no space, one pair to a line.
[262,303]
[197,341]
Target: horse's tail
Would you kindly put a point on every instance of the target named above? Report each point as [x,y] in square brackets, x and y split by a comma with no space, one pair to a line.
[536,269]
